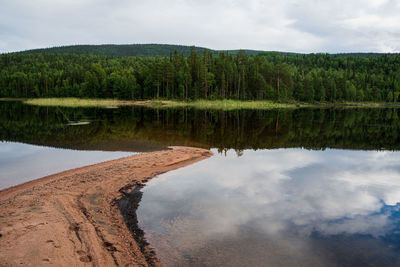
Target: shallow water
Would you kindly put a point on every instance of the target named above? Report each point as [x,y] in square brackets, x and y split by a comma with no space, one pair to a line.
[21,163]
[285,207]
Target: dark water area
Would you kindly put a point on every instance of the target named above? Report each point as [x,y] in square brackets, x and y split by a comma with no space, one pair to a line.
[138,129]
[292,187]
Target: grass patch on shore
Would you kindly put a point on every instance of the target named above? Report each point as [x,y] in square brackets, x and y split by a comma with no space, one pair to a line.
[199,104]
[227,104]
[75,102]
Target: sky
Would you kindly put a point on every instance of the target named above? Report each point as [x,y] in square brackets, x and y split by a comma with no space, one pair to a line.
[305,26]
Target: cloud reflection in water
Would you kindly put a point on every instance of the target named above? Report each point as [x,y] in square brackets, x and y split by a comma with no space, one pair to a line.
[283,196]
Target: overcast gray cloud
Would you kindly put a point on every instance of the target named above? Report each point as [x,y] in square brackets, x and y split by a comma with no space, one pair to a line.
[292,25]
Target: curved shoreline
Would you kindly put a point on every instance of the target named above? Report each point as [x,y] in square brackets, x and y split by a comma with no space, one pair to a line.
[73,218]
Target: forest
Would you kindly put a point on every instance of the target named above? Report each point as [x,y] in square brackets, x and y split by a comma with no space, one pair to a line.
[138,50]
[282,77]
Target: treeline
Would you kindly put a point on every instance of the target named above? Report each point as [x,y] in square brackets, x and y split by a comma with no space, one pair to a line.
[272,76]
[127,50]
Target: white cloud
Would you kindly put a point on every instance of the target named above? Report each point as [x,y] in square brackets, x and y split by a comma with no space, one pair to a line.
[298,26]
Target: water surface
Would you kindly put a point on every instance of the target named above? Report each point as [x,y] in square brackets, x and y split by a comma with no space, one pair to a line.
[285,207]
[321,188]
[142,129]
[21,163]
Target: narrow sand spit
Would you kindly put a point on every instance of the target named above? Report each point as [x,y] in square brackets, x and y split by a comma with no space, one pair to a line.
[72,218]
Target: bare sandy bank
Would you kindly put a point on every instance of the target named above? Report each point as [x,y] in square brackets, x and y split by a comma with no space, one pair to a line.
[72,218]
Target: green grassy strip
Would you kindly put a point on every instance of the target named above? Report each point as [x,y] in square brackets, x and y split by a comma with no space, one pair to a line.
[227,104]
[199,104]
[75,102]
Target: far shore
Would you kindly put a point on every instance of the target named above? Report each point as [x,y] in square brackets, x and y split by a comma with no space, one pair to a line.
[73,218]
[198,104]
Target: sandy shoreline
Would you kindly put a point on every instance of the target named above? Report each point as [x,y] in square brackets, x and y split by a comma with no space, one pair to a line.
[72,218]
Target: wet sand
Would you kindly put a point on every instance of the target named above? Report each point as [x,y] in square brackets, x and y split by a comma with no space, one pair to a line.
[72,218]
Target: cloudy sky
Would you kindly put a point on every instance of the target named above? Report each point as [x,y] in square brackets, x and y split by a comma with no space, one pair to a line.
[288,25]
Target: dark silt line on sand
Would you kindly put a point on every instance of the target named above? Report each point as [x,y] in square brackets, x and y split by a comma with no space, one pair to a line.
[128,206]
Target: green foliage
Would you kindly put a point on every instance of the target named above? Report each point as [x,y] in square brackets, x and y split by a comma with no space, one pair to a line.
[75,102]
[135,50]
[202,74]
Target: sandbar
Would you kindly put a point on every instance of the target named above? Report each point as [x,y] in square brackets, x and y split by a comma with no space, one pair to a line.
[72,218]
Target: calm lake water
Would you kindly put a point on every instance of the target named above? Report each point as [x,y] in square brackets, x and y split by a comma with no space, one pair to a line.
[21,163]
[303,187]
[284,207]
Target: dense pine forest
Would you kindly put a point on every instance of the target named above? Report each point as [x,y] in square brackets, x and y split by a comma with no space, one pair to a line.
[203,74]
[137,50]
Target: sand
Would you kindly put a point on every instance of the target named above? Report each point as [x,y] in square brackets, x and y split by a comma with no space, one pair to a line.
[72,218]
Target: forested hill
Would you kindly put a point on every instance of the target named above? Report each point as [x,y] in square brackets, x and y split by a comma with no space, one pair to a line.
[158,50]
[267,75]
[138,50]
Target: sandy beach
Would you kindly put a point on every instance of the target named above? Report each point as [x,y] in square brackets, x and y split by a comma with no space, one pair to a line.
[72,218]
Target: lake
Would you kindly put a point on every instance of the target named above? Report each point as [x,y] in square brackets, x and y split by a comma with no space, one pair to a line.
[283,207]
[21,162]
[296,187]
